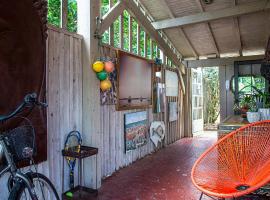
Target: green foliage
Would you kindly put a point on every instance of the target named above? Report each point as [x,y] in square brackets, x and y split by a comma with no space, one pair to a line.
[105,7]
[211,94]
[72,16]
[54,14]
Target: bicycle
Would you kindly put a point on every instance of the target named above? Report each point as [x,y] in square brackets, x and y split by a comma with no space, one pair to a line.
[17,145]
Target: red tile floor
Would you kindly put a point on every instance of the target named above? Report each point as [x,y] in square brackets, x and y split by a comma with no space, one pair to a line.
[164,175]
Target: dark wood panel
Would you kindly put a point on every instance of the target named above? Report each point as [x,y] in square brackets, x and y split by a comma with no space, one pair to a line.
[22,61]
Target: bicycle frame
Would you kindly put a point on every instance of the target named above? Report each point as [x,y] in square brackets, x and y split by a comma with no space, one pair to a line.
[11,167]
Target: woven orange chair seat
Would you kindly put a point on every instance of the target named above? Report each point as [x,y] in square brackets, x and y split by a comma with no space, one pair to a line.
[236,165]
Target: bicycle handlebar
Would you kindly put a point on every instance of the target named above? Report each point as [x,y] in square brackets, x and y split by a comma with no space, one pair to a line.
[29,100]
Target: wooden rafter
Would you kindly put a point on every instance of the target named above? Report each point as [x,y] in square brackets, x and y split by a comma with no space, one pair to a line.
[111,16]
[219,61]
[144,22]
[209,30]
[180,29]
[162,34]
[260,5]
[238,33]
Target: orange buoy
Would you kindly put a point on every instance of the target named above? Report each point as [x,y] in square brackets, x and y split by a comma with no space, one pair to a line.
[109,66]
[98,66]
[105,85]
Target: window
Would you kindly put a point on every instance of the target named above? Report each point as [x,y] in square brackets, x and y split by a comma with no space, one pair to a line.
[249,85]
[54,14]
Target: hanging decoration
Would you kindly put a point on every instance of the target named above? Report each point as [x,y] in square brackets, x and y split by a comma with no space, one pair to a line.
[98,66]
[157,132]
[105,85]
[102,75]
[109,66]
[103,66]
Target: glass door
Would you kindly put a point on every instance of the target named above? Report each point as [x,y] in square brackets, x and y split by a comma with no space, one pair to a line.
[197,100]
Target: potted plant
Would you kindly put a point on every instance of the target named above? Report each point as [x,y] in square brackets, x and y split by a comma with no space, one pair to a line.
[245,104]
[253,115]
[263,103]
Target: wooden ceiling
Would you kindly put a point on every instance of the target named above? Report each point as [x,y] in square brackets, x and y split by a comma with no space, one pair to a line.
[246,34]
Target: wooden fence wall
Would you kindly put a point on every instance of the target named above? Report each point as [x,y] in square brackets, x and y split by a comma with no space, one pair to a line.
[64,96]
[112,150]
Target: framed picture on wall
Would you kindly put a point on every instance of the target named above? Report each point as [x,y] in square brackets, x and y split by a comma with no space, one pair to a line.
[171,80]
[136,130]
[134,82]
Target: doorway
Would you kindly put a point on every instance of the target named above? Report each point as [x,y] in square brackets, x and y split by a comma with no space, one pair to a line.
[205,100]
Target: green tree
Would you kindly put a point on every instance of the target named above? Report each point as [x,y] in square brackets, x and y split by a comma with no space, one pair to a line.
[211,94]
[54,14]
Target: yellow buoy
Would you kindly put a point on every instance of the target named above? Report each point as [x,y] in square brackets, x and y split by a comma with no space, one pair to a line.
[105,85]
[98,66]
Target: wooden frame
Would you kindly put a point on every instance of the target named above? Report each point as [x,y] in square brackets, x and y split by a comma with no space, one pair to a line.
[243,9]
[118,106]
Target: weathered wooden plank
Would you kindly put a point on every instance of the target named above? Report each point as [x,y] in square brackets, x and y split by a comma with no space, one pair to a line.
[111,16]
[64,109]
[64,14]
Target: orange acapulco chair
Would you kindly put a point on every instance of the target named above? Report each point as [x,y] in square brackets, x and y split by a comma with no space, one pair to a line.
[237,164]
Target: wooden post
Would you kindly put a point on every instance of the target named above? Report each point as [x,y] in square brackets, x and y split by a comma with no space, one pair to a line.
[130,32]
[138,39]
[145,44]
[121,30]
[151,48]
[111,29]
[64,14]
[88,11]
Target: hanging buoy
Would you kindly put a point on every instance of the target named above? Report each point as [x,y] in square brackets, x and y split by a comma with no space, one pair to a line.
[98,66]
[109,66]
[102,75]
[105,85]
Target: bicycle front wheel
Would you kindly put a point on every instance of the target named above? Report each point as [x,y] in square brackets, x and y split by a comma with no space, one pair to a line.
[44,189]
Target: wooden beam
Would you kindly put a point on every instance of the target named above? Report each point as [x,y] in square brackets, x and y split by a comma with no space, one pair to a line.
[209,30]
[238,33]
[219,61]
[130,33]
[91,126]
[180,30]
[138,39]
[260,5]
[111,29]
[121,31]
[111,16]
[151,48]
[144,22]
[145,44]
[64,14]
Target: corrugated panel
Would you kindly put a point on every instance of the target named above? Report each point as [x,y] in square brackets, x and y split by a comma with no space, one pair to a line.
[200,39]
[255,30]
[218,5]
[156,9]
[183,7]
[178,40]
[225,34]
